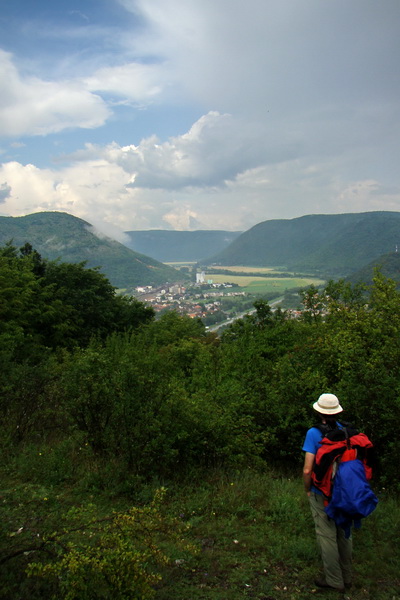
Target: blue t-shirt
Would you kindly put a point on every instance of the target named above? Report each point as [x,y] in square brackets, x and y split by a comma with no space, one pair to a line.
[312,443]
[313,440]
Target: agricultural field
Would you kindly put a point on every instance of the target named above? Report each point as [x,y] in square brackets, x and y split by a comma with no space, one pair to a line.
[259,285]
[184,263]
[244,270]
[266,286]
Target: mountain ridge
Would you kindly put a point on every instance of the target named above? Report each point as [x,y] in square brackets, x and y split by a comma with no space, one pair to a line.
[387,264]
[329,246]
[59,235]
[336,245]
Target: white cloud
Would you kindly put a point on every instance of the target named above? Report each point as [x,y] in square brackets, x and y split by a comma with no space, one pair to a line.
[368,195]
[182,217]
[214,150]
[99,190]
[31,106]
[132,81]
[108,232]
[299,102]
[5,190]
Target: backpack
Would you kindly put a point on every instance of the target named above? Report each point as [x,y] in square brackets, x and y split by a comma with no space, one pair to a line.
[341,472]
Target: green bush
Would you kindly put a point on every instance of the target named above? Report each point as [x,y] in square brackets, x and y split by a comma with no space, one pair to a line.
[122,555]
[88,554]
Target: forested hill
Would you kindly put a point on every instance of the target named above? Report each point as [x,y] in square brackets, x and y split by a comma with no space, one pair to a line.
[60,235]
[177,246]
[388,264]
[334,245]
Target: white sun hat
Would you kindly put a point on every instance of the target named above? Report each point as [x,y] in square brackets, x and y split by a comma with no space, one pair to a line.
[327,404]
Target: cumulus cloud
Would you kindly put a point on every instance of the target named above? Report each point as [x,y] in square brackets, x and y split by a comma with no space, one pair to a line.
[31,106]
[100,191]
[94,190]
[299,105]
[215,149]
[88,191]
[5,190]
[132,82]
[368,195]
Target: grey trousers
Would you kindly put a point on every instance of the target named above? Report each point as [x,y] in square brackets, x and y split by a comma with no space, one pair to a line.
[336,550]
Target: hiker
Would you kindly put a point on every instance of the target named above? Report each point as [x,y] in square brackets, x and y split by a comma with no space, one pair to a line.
[335,548]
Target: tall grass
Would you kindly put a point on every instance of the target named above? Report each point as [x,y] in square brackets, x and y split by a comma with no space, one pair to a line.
[253,531]
[257,540]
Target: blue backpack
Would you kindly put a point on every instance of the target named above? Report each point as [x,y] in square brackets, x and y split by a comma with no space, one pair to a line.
[352,497]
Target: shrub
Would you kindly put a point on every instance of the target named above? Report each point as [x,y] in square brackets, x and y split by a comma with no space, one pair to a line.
[120,556]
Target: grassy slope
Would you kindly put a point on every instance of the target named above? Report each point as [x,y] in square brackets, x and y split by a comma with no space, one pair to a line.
[253,533]
[257,540]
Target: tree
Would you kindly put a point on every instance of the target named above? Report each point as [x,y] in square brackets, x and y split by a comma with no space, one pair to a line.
[91,304]
[46,307]
[54,304]
[312,302]
[263,312]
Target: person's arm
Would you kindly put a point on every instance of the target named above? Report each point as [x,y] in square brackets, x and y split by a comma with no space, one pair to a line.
[307,470]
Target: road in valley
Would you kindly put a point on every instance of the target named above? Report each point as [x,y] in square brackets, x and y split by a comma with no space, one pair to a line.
[248,312]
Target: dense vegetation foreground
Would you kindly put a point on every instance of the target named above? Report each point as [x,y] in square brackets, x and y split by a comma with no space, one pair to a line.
[147,458]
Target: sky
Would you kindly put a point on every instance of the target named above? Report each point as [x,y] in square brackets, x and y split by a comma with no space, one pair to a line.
[198,114]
